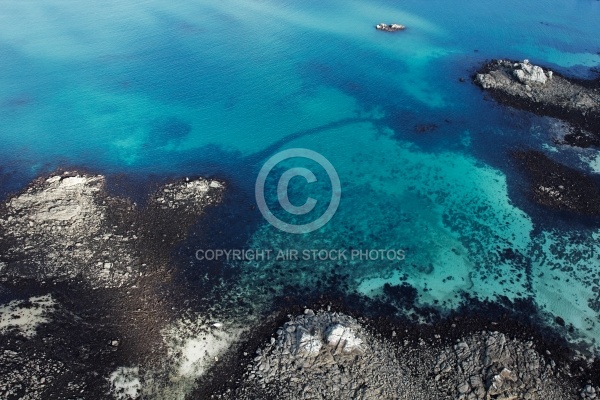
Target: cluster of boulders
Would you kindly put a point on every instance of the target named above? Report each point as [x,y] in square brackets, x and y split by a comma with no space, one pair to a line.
[66,226]
[489,366]
[336,336]
[327,355]
[528,73]
[390,27]
[25,377]
[524,72]
[589,392]
[189,196]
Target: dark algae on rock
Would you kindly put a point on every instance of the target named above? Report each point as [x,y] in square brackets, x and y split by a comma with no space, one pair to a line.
[93,276]
[557,186]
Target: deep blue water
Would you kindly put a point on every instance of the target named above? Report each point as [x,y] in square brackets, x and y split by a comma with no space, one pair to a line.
[153,89]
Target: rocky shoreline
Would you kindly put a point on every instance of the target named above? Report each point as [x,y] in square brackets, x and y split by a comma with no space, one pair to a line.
[110,318]
[327,354]
[543,92]
[105,264]
[360,366]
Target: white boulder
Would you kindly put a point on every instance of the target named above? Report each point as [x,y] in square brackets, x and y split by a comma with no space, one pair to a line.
[528,73]
[308,345]
[343,339]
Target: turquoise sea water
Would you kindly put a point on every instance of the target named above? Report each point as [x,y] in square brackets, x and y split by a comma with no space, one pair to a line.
[216,87]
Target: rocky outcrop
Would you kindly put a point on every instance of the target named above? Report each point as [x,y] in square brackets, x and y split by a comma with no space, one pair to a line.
[343,340]
[49,352]
[57,228]
[189,197]
[65,234]
[490,366]
[530,87]
[516,78]
[324,355]
[528,73]
[66,226]
[330,355]
[390,27]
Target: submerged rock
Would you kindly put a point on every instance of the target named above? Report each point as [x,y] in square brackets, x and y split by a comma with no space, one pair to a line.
[529,87]
[557,186]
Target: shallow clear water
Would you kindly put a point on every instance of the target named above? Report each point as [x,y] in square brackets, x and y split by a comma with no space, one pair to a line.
[218,87]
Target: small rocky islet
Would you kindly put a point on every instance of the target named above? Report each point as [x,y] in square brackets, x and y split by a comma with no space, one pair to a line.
[390,27]
[529,87]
